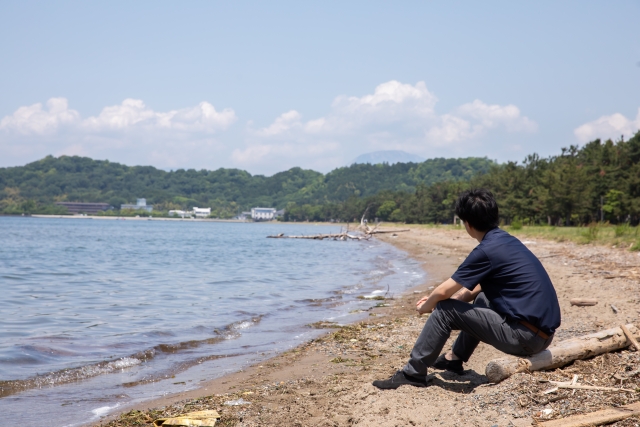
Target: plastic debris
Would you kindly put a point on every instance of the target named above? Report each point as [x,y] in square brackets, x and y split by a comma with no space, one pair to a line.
[191,419]
[545,413]
[237,402]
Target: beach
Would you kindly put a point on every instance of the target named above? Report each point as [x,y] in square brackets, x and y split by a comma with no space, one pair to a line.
[327,381]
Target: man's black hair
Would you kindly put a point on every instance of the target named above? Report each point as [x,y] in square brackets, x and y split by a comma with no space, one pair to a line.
[479,208]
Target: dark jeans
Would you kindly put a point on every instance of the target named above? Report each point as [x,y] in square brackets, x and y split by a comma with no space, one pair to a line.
[478,322]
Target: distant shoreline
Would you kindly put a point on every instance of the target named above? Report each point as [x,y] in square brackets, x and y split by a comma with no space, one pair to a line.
[132,218]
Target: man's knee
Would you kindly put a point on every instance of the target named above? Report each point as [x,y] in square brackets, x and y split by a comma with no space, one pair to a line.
[446,309]
[444,305]
[481,300]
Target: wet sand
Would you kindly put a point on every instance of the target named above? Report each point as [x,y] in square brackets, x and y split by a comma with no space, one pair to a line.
[327,382]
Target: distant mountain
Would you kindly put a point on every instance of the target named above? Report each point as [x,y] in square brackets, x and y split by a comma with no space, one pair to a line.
[388,156]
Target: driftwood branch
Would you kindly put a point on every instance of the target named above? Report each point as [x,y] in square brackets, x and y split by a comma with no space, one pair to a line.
[583,302]
[336,236]
[363,221]
[561,384]
[630,337]
[561,353]
[388,231]
[598,418]
[363,228]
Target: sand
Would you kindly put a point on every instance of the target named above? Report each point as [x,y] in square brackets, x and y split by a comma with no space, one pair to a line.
[327,382]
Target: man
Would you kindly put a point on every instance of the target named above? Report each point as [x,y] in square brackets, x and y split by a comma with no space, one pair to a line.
[515,307]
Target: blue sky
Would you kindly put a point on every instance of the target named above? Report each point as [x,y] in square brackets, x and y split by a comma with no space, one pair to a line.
[265,86]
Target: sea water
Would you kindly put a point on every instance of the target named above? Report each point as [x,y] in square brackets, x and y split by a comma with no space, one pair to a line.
[100,314]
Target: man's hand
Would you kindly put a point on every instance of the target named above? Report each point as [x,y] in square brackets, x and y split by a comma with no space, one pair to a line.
[420,302]
[442,292]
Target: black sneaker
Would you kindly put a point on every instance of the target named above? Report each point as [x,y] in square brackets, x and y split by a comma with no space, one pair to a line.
[398,379]
[448,365]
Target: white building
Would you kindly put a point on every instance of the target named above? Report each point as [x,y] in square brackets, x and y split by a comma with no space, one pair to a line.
[179,213]
[263,214]
[201,212]
[141,204]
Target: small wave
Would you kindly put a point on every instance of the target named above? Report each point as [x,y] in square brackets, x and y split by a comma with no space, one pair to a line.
[244,325]
[103,410]
[64,376]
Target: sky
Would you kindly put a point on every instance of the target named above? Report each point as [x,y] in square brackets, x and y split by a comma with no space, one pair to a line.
[266,86]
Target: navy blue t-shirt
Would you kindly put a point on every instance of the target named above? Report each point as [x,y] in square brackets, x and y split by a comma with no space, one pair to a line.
[513,279]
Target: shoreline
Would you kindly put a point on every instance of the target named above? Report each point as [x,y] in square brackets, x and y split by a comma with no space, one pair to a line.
[133,218]
[296,363]
[225,383]
[193,220]
[311,380]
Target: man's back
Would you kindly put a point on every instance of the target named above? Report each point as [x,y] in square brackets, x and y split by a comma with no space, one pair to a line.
[513,279]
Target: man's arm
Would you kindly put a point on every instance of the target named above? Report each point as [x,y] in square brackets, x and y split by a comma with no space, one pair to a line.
[441,293]
[466,295]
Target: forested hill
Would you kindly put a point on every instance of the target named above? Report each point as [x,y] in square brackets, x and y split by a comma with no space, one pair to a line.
[582,185]
[81,179]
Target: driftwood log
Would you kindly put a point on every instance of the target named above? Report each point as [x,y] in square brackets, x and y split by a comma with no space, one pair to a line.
[561,353]
[605,416]
[336,236]
[583,302]
[364,232]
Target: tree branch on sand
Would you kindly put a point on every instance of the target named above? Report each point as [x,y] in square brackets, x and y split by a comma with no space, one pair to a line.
[362,232]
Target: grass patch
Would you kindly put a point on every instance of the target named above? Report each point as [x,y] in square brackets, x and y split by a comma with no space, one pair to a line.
[590,233]
[622,229]
[622,235]
[604,234]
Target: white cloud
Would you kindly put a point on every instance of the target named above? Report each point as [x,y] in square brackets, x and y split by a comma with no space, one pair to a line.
[450,129]
[391,96]
[494,116]
[395,116]
[284,123]
[133,113]
[391,102]
[33,119]
[130,132]
[475,119]
[608,127]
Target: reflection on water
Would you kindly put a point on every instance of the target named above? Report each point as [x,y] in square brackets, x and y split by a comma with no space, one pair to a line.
[95,308]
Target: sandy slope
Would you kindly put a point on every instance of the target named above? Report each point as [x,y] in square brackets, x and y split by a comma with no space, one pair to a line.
[328,381]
